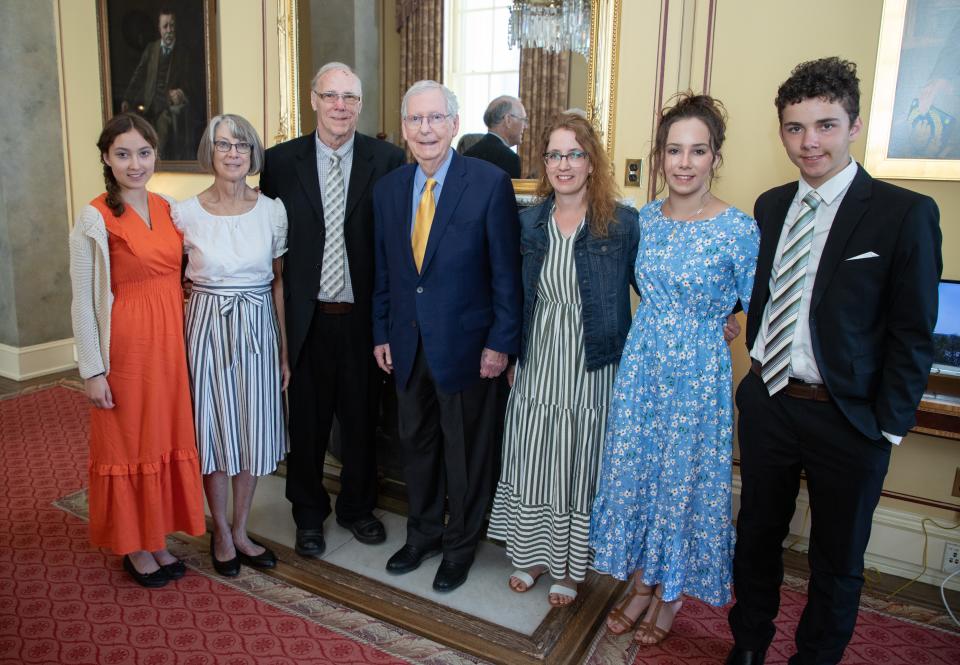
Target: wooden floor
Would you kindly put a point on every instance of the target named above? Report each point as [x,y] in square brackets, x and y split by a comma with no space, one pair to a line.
[11,387]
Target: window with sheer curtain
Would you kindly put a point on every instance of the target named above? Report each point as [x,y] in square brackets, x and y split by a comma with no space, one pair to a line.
[477,63]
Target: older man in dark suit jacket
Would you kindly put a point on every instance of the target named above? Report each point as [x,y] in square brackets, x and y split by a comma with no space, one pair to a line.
[840,335]
[446,314]
[505,119]
[325,180]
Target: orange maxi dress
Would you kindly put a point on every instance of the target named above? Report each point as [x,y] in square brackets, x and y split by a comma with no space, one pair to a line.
[144,469]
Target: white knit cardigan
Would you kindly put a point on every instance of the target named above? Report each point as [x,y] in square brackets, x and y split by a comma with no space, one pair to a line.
[92,298]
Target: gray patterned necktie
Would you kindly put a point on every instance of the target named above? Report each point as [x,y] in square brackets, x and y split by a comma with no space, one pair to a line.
[331,276]
[786,288]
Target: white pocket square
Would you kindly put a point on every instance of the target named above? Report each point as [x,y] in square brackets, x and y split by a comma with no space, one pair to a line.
[865,255]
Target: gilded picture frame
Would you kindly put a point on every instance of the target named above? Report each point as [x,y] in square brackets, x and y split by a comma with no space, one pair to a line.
[913,130]
[158,58]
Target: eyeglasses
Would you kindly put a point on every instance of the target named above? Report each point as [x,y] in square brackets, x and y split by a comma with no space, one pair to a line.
[574,157]
[433,119]
[243,148]
[348,98]
[522,118]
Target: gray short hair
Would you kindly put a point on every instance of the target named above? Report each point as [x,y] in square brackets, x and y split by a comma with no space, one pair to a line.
[335,66]
[241,130]
[453,107]
[499,109]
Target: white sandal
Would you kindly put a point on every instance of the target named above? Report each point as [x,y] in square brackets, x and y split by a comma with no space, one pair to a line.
[525,577]
[565,591]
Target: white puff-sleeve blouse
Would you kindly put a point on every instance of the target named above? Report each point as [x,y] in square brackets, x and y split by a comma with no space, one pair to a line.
[232,250]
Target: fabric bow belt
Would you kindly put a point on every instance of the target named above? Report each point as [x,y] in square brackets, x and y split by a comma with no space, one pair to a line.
[235,304]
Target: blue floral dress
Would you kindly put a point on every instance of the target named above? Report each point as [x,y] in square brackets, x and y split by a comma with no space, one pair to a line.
[663,503]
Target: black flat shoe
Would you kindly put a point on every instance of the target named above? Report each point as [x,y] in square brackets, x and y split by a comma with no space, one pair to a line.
[229,568]
[367,530]
[738,656]
[154,580]
[175,570]
[408,558]
[450,575]
[310,543]
[266,559]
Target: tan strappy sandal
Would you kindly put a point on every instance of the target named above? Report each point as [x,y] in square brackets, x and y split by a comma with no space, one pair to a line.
[648,628]
[618,613]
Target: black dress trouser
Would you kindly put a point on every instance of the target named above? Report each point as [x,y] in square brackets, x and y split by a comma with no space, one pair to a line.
[781,436]
[336,375]
[450,451]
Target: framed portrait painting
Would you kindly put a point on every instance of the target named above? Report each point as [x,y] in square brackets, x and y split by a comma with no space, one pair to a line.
[158,59]
[914,128]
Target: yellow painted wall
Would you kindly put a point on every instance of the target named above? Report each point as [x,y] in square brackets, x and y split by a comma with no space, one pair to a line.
[753,53]
[241,35]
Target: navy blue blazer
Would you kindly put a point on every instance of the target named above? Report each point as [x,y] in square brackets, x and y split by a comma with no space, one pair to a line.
[467,295]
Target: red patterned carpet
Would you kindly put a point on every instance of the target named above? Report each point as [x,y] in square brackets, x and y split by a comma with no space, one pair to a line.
[62,601]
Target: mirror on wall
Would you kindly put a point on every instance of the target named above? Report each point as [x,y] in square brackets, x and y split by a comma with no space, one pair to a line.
[362,34]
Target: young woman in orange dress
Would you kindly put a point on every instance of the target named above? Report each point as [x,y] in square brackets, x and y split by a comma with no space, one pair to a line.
[125,257]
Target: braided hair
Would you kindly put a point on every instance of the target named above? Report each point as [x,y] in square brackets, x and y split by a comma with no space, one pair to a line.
[117,125]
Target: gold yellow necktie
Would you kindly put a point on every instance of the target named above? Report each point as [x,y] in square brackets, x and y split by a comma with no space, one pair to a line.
[423,222]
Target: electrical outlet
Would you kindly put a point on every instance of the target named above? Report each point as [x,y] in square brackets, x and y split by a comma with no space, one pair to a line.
[633,173]
[951,557]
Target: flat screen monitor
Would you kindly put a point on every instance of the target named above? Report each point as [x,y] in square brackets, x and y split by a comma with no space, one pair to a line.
[946,336]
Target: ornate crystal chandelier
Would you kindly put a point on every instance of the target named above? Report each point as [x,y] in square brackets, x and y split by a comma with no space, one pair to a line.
[554,25]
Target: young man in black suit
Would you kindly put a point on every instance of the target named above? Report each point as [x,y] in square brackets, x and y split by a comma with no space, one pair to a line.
[325,180]
[840,336]
[505,119]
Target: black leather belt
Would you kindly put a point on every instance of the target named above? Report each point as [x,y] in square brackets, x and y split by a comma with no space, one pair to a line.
[334,307]
[797,388]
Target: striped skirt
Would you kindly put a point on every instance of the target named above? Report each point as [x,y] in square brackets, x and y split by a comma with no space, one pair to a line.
[233,352]
[553,433]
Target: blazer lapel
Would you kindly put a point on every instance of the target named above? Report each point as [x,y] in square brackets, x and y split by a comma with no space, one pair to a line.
[453,187]
[402,205]
[361,171]
[851,211]
[769,239]
[309,177]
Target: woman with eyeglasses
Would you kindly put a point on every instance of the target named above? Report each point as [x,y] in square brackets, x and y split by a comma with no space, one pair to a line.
[234,239]
[662,513]
[578,250]
[127,311]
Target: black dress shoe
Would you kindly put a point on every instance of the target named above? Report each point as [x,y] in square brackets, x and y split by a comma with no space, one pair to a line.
[740,656]
[154,580]
[175,570]
[229,568]
[450,575]
[409,558]
[266,559]
[368,530]
[310,543]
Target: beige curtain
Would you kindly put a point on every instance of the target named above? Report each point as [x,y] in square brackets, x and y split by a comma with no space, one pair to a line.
[544,90]
[420,24]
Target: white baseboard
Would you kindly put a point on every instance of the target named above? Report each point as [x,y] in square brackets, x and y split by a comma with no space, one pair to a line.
[896,541]
[27,362]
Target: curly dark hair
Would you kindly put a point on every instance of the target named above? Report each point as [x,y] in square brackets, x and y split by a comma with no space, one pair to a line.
[704,108]
[832,79]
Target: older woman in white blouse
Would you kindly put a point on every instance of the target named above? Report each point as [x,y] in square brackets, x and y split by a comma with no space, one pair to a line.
[236,343]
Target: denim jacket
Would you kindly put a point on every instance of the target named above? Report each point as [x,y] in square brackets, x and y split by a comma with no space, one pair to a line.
[605,272]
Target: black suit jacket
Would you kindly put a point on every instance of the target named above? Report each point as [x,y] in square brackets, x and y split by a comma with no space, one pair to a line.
[491,149]
[290,173]
[871,318]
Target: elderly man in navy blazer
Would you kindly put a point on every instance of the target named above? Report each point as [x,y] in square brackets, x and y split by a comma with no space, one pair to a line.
[446,316]
[840,335]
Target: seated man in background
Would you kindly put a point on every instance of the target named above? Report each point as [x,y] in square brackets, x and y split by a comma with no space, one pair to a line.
[505,119]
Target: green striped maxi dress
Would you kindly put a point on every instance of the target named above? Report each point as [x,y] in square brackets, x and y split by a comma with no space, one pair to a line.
[553,434]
